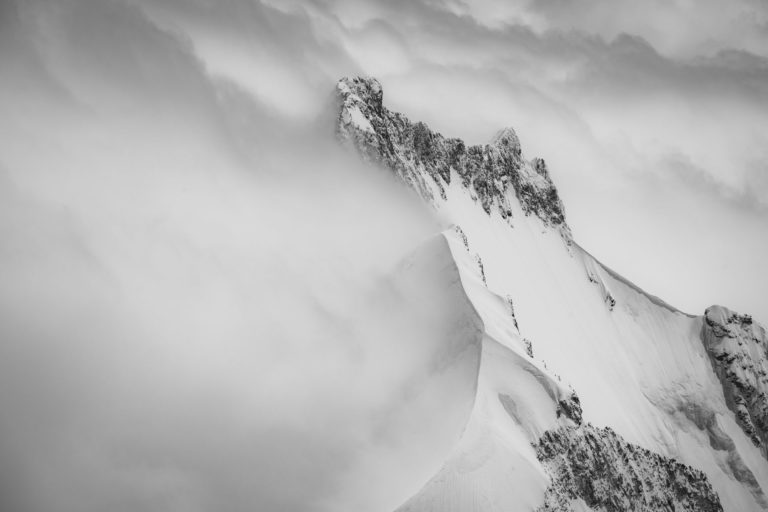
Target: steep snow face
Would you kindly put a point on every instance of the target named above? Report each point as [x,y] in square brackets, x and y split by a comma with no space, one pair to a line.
[522,405]
[738,349]
[565,339]
[494,465]
[637,364]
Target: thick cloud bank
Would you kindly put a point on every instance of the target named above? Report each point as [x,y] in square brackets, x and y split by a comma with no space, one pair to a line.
[195,308]
[196,311]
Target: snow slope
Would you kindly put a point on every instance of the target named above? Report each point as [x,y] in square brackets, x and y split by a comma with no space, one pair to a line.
[636,364]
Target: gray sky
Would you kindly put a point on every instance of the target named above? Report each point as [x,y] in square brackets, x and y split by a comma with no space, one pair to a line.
[650,115]
[165,200]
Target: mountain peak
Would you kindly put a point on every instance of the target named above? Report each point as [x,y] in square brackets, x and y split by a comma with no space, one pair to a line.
[640,420]
[366,90]
[493,174]
[506,141]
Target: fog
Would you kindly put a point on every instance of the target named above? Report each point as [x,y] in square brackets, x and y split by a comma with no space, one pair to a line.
[196,304]
[197,308]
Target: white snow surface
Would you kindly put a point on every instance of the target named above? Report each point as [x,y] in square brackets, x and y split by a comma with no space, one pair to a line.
[638,366]
[358,119]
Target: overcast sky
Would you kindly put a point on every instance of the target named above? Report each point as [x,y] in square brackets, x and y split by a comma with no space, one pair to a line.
[167,197]
[652,116]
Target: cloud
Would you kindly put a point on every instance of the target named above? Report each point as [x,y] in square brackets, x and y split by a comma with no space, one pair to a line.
[192,270]
[604,107]
[677,28]
[192,322]
[679,167]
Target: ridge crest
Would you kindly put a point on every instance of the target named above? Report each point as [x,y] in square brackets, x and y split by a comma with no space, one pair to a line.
[426,160]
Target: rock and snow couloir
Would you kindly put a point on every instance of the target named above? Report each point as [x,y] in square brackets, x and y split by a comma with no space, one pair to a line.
[590,394]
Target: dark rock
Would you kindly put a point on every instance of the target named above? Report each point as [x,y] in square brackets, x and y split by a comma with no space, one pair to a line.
[424,158]
[511,305]
[528,347]
[480,268]
[463,236]
[599,467]
[570,407]
[738,351]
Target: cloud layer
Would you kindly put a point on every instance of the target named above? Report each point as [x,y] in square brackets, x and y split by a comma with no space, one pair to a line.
[185,254]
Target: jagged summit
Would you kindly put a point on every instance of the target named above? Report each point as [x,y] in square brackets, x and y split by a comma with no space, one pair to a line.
[428,161]
[365,89]
[506,141]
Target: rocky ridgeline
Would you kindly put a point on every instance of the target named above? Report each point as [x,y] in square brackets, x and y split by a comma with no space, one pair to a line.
[597,466]
[738,350]
[424,159]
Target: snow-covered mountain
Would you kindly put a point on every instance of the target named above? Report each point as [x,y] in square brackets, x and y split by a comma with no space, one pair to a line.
[590,394]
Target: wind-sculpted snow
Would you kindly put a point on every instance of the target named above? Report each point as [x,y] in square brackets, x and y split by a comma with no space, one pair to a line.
[599,467]
[424,159]
[493,466]
[738,349]
[593,265]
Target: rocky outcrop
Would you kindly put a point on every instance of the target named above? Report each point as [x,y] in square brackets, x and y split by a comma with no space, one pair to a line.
[598,467]
[705,419]
[570,407]
[738,350]
[425,159]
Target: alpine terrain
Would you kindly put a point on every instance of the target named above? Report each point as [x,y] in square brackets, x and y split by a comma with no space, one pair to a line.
[587,392]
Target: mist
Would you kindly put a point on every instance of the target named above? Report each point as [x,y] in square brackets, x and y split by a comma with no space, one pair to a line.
[199,301]
[202,301]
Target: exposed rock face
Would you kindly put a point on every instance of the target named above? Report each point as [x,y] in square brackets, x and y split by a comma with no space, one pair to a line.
[424,159]
[597,466]
[738,349]
[570,407]
[706,420]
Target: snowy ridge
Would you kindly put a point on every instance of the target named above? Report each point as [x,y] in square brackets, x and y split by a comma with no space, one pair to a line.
[517,400]
[595,268]
[567,343]
[525,447]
